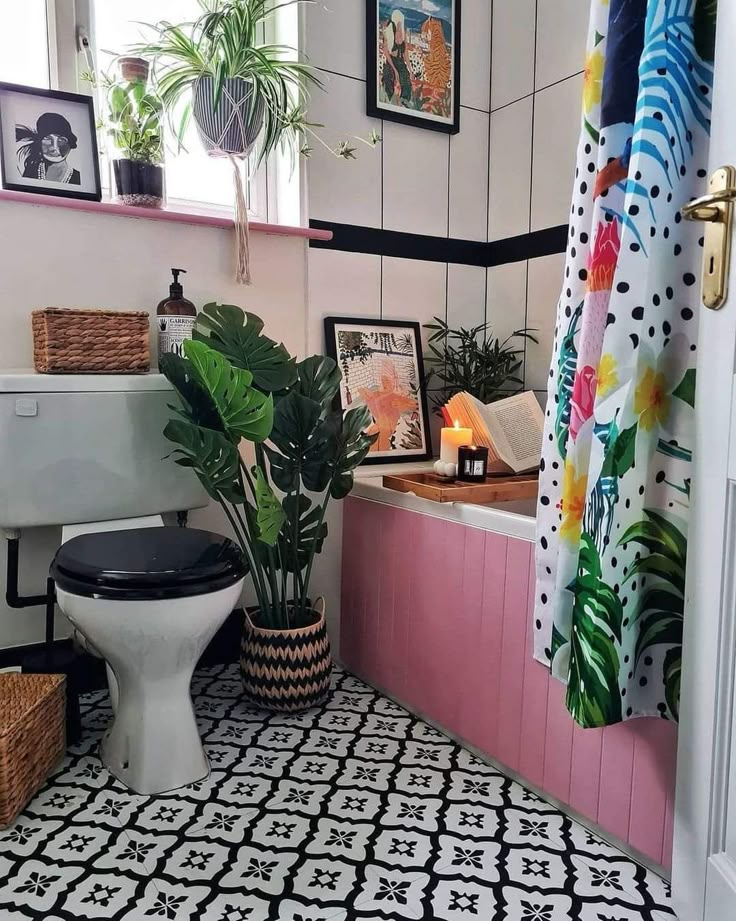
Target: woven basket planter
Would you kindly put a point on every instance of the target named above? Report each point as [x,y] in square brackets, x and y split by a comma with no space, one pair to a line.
[286,670]
[32,737]
[90,341]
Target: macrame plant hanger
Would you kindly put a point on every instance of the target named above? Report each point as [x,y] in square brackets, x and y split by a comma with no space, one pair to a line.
[217,147]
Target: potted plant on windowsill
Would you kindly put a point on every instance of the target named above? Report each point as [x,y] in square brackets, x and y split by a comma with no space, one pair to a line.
[246,95]
[133,122]
[239,387]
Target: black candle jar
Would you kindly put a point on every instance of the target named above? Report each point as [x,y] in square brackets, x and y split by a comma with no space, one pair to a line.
[472,464]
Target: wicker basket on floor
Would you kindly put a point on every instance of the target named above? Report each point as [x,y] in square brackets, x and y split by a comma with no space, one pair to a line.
[90,341]
[32,737]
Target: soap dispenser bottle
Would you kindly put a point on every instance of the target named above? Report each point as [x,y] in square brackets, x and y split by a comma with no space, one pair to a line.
[175,317]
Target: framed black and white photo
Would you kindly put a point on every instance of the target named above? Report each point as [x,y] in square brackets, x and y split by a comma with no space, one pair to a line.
[382,368]
[48,143]
[413,62]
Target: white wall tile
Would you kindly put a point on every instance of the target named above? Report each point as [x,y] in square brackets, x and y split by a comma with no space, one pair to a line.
[512,56]
[557,115]
[345,191]
[475,58]
[511,164]
[469,177]
[506,299]
[414,290]
[546,275]
[562,28]
[335,36]
[466,295]
[415,176]
[341,285]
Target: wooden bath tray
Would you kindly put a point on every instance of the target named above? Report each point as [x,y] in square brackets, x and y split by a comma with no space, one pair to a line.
[495,489]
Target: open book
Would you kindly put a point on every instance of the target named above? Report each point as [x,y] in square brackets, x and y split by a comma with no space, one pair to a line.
[511,429]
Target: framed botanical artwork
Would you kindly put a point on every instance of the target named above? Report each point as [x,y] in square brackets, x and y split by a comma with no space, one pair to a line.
[382,368]
[48,143]
[413,62]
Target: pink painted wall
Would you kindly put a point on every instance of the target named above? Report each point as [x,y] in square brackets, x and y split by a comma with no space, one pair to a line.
[439,615]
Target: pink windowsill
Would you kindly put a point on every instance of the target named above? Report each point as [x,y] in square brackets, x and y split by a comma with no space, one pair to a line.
[178,216]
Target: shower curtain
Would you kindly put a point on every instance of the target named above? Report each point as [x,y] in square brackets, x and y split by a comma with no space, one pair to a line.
[616,460]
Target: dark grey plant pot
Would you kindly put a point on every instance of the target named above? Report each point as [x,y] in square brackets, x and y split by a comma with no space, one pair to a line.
[233,127]
[139,184]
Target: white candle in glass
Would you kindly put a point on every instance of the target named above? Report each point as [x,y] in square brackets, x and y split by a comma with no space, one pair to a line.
[451,439]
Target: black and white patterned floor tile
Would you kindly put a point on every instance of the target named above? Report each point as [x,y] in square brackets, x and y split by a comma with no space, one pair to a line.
[353,810]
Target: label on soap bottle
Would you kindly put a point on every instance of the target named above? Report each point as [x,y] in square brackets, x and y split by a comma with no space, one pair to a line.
[173,332]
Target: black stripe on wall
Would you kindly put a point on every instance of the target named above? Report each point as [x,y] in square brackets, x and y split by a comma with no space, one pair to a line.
[350,238]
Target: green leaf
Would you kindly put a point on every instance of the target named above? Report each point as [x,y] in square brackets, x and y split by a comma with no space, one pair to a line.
[659,627]
[269,514]
[212,456]
[672,675]
[244,411]
[301,450]
[661,567]
[312,534]
[658,535]
[685,390]
[237,335]
[348,446]
[318,379]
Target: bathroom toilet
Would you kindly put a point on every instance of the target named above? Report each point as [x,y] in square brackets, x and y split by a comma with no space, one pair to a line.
[87,452]
[148,601]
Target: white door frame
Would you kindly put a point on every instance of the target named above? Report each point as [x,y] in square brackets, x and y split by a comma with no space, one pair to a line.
[701,871]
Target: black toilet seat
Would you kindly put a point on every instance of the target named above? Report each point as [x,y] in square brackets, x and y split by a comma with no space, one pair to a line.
[147,563]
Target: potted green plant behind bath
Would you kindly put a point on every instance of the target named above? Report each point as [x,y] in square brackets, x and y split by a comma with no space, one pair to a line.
[245,94]
[236,385]
[133,121]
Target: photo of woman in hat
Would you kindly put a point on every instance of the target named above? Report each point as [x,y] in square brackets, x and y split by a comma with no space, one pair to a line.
[44,150]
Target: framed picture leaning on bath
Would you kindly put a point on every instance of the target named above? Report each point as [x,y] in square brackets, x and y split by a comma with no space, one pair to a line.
[48,143]
[382,368]
[413,62]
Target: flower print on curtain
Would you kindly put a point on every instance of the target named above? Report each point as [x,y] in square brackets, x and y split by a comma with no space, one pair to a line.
[615,480]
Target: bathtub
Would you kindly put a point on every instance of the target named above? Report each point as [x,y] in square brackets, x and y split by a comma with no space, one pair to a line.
[436,611]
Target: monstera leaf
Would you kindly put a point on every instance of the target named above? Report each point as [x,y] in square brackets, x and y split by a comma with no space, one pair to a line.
[593,695]
[244,411]
[311,532]
[237,335]
[318,378]
[197,405]
[301,449]
[211,455]
[347,446]
[269,514]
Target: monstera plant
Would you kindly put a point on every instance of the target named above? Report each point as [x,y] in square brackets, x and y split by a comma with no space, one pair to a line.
[236,385]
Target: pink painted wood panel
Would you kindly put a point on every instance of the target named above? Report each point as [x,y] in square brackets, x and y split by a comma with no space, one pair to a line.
[439,615]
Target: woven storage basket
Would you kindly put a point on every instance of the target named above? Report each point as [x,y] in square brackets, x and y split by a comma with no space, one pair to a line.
[32,737]
[90,341]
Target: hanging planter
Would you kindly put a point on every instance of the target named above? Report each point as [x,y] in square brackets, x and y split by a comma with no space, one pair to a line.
[246,97]
[229,127]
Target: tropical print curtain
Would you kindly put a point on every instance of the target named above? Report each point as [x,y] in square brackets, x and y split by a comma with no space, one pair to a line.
[616,461]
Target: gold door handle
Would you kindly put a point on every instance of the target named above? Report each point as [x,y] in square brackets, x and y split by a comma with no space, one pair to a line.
[716,210]
[706,207]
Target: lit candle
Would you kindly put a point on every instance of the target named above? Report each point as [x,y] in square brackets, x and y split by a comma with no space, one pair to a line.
[450,440]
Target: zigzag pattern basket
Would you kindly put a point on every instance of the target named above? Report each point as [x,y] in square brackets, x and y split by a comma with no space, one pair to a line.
[286,670]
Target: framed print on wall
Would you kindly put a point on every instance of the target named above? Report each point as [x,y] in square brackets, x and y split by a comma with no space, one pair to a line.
[413,62]
[382,368]
[48,143]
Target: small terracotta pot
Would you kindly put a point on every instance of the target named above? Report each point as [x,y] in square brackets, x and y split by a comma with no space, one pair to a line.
[134,69]
[286,670]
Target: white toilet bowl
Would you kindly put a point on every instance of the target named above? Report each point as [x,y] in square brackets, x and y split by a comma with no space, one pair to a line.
[149,601]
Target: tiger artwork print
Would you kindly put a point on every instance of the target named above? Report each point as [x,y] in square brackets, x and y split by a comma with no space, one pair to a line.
[437,65]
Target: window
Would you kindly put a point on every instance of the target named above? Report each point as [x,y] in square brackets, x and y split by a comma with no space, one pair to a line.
[51,55]
[24,44]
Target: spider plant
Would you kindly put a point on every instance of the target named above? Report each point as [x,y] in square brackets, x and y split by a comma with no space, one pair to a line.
[473,361]
[222,44]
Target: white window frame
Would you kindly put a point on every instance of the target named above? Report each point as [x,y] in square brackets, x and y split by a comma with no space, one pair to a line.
[274,194]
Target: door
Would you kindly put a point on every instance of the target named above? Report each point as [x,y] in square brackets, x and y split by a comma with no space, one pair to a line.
[704,859]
